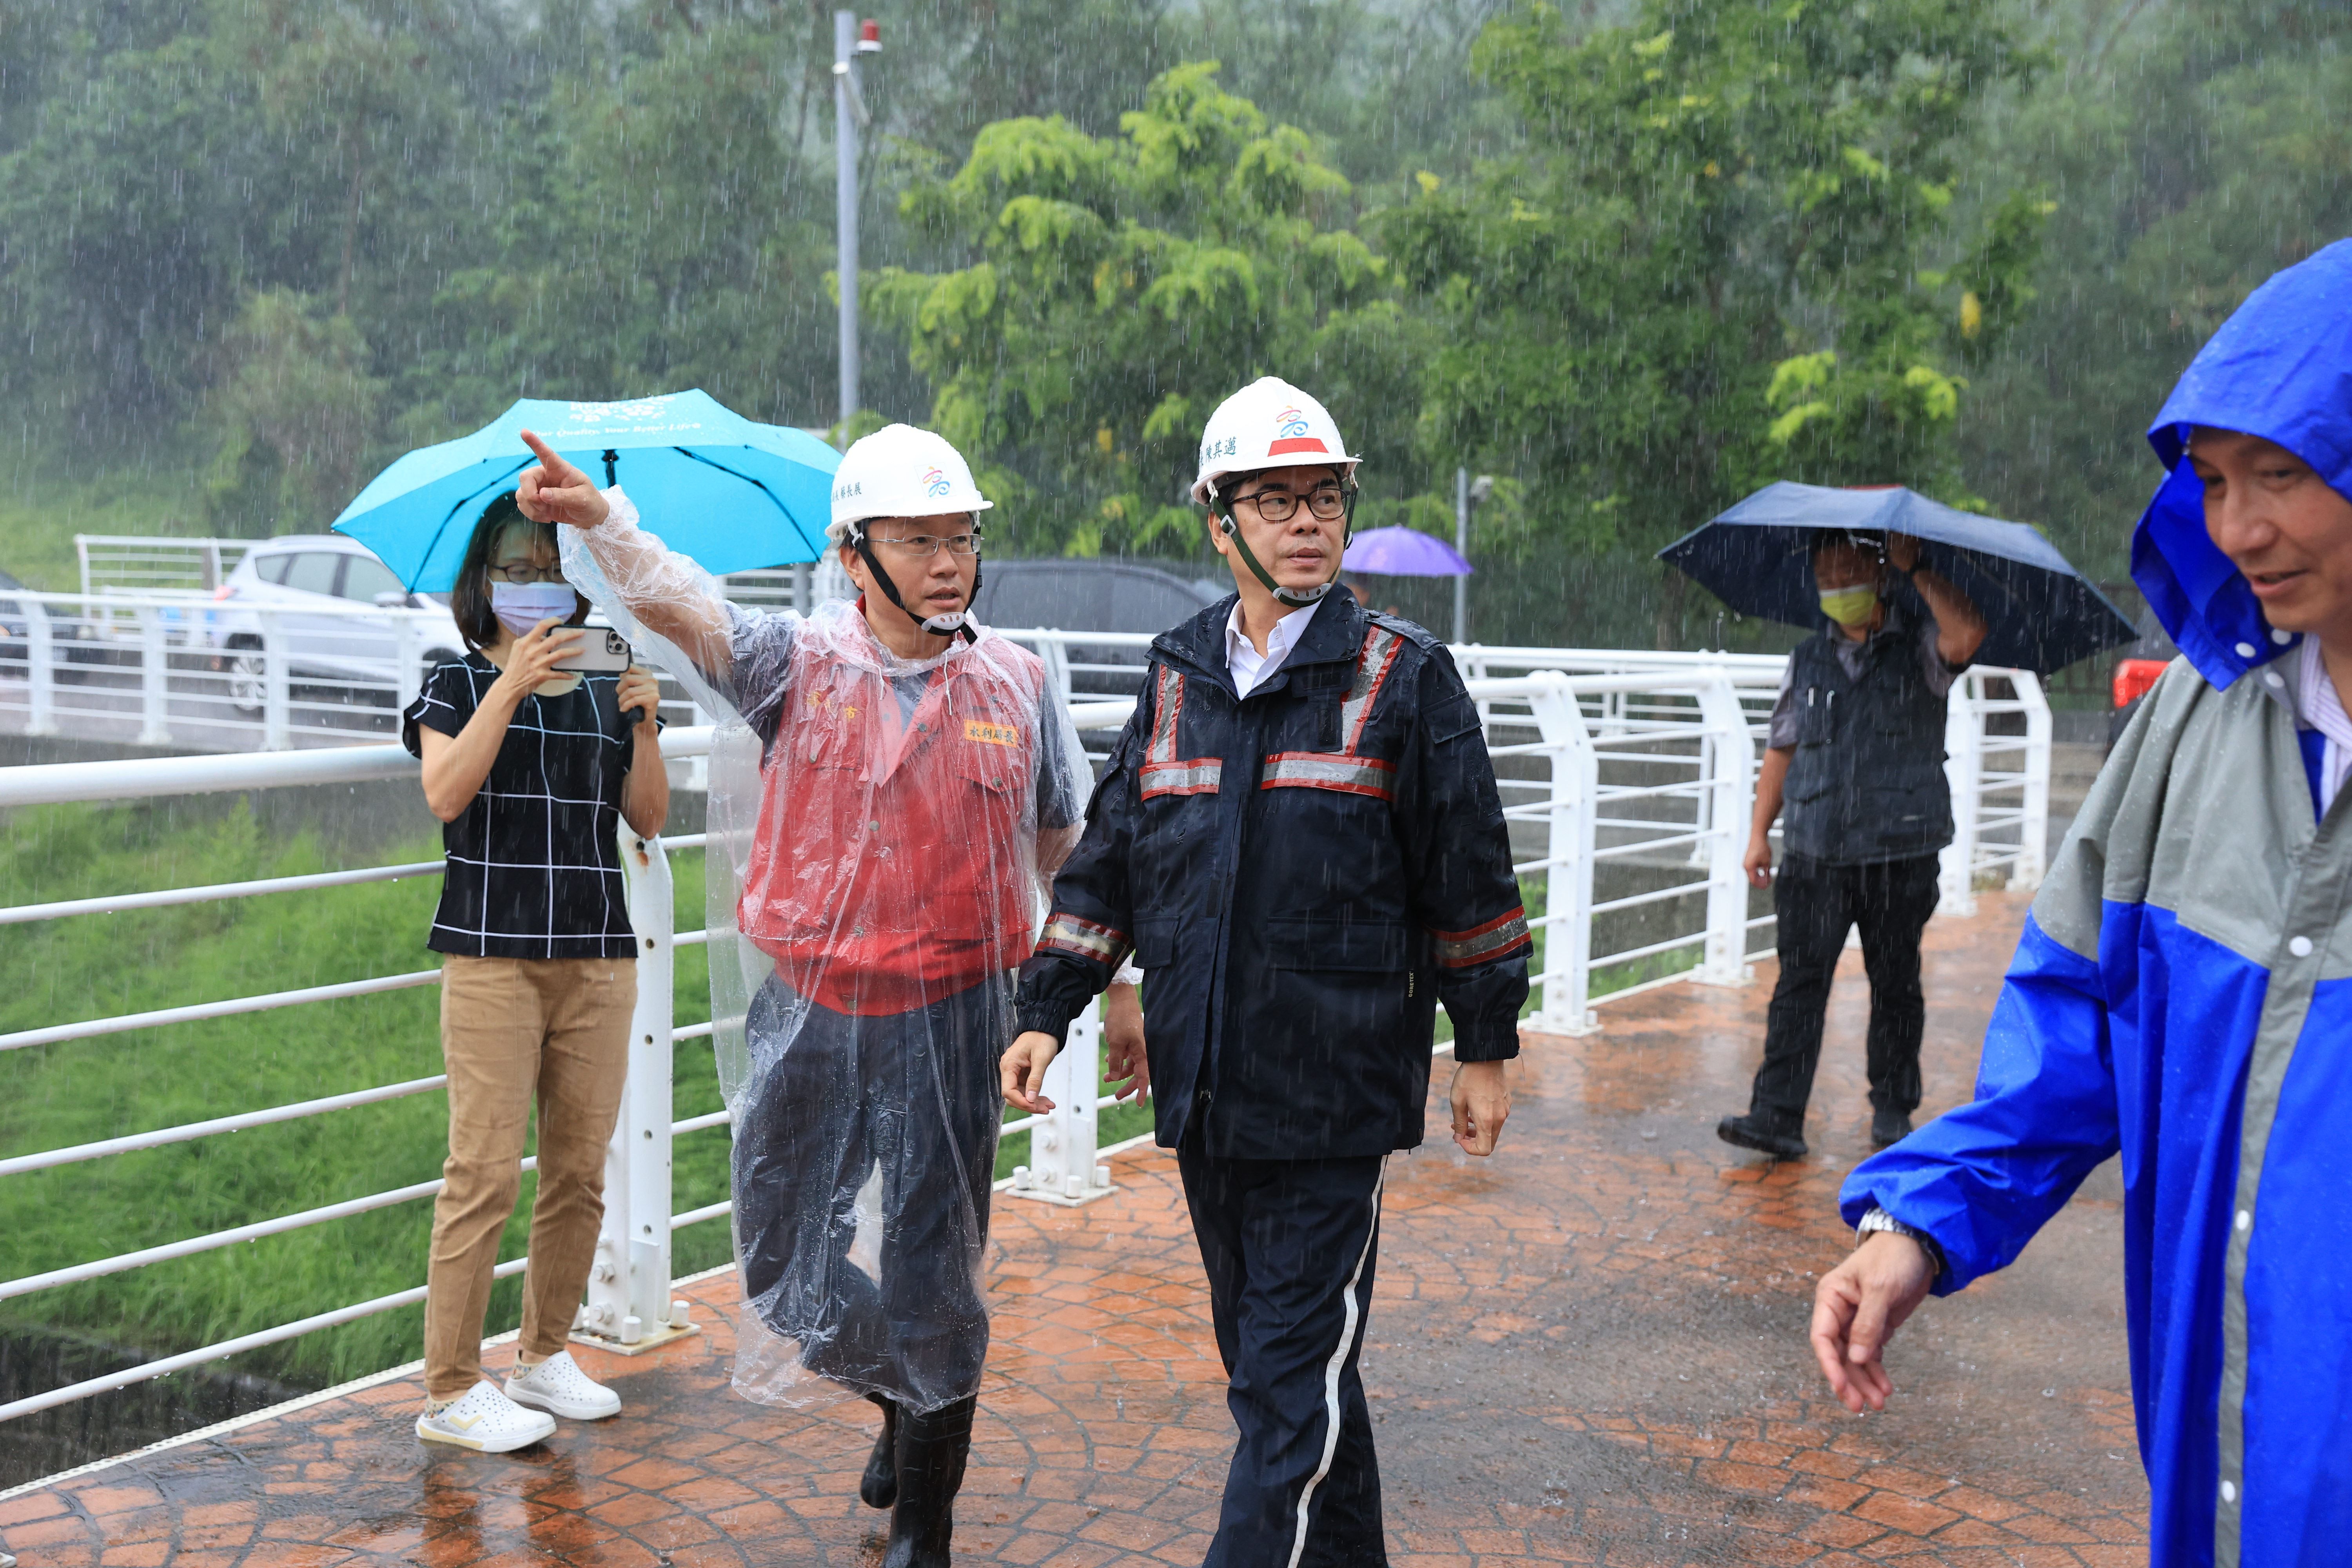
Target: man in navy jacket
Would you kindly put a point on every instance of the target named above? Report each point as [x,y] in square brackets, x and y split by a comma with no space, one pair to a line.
[1299,839]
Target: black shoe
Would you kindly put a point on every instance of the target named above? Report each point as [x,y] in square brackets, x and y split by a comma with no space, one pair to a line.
[878,1487]
[1750,1133]
[1889,1127]
[932,1447]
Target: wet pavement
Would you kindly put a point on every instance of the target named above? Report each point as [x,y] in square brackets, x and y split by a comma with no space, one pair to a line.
[1590,1349]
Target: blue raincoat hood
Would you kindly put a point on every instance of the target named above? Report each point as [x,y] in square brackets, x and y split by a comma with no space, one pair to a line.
[2280,368]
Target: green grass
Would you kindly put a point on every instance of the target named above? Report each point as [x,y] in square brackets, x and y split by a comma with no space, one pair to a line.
[98,965]
[69,1093]
[39,515]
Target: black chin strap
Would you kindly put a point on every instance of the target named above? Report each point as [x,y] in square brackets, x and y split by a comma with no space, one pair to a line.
[889,587]
[1297,598]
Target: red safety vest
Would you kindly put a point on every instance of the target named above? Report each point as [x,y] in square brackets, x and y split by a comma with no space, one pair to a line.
[894,864]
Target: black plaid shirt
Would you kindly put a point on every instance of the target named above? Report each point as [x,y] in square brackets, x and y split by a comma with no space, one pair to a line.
[534,863]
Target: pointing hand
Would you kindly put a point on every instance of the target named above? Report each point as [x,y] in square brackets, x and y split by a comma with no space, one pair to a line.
[552,491]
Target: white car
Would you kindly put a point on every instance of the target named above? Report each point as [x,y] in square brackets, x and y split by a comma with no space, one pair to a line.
[315,572]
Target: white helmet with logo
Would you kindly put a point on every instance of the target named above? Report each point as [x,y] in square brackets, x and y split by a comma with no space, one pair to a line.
[1269,423]
[900,471]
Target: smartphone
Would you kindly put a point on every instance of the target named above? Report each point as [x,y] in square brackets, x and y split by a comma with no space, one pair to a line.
[600,651]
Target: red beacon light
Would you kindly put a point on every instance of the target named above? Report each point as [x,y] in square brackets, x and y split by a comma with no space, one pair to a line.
[869,37]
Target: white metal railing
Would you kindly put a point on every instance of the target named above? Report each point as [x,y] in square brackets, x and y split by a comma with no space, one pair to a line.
[1636,781]
[139,562]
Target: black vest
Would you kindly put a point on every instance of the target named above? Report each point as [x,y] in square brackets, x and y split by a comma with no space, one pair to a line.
[1867,780]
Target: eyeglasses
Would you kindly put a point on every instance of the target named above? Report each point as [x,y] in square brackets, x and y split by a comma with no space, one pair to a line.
[1324,502]
[925,545]
[521,571]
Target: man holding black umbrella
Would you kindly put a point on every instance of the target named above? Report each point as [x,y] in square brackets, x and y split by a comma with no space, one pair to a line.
[1855,749]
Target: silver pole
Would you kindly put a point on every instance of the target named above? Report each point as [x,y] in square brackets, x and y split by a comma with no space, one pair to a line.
[1461,543]
[845,141]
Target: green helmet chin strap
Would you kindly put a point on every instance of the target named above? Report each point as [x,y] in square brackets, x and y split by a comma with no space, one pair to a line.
[1298,598]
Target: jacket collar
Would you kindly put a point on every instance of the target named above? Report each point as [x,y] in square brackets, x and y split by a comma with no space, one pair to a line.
[1335,632]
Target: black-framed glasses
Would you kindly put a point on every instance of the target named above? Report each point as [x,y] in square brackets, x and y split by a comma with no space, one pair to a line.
[923,546]
[522,572]
[1324,502]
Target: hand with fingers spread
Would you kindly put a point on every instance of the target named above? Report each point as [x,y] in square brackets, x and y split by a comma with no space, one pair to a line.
[1022,1071]
[1856,1310]
[1481,1098]
[532,659]
[552,491]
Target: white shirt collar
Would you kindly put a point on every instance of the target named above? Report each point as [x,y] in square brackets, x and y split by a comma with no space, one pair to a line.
[1248,667]
[2319,707]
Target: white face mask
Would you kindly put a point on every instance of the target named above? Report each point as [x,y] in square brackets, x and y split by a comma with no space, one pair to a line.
[522,605]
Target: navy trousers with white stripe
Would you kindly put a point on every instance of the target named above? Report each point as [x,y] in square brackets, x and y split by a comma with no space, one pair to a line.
[1289,1247]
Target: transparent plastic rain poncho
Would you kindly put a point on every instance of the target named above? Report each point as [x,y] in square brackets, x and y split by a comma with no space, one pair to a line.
[882,840]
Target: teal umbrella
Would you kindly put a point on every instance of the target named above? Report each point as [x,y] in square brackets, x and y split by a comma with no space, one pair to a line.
[734,495]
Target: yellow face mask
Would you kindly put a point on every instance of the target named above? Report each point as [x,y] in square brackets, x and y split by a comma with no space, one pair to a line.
[1849,606]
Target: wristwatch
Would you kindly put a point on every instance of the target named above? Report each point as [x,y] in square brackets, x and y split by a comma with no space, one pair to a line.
[1879,1219]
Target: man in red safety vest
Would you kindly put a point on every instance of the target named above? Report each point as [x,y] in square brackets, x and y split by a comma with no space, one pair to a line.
[888,801]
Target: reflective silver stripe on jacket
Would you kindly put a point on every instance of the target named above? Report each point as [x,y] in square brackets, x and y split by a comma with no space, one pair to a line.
[1459,950]
[1378,656]
[1196,775]
[1330,770]
[1085,938]
[1164,773]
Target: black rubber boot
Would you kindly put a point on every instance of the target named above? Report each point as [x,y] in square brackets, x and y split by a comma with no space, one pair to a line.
[1750,1133]
[931,1451]
[878,1487]
[1888,1127]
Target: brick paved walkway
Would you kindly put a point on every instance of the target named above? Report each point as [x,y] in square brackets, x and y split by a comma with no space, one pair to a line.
[1588,1350]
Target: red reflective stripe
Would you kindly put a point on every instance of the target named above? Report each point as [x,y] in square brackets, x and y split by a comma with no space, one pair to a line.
[1498,938]
[1163,722]
[1072,934]
[1331,771]
[1373,665]
[1495,924]
[1197,776]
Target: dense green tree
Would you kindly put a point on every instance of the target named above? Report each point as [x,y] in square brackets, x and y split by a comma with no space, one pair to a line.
[1118,287]
[2191,150]
[1723,257]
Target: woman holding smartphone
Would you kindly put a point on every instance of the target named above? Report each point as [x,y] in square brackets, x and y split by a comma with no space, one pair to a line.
[530,766]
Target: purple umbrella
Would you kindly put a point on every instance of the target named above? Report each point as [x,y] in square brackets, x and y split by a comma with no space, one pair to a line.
[1404,552]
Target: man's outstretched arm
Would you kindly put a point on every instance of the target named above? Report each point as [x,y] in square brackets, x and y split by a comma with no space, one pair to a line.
[1980,1180]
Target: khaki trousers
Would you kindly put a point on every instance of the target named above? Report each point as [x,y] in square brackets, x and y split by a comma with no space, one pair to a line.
[516,1031]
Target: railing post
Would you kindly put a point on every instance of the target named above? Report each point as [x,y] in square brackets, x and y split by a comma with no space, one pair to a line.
[1062,1145]
[154,679]
[629,1307]
[1727,798]
[2033,832]
[1963,770]
[1568,856]
[276,685]
[40,670]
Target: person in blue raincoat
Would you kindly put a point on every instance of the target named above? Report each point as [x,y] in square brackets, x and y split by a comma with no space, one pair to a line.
[2179,995]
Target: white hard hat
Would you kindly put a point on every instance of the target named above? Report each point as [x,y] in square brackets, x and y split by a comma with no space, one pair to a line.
[1269,423]
[900,471]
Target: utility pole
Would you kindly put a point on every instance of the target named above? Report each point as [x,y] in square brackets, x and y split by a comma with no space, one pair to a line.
[1462,548]
[1467,493]
[849,115]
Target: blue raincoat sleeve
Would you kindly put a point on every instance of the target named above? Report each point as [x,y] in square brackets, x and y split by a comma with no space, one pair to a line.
[1982,1179]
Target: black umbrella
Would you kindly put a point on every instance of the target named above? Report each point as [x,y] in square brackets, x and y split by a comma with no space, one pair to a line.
[2042,613]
